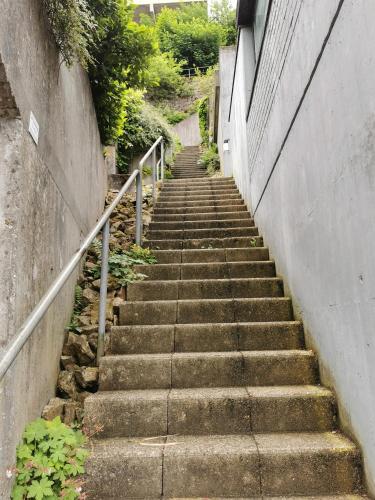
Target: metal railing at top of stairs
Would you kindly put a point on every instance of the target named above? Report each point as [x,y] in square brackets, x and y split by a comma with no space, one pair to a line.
[35,317]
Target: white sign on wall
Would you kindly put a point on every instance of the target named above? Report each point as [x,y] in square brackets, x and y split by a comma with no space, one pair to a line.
[34,127]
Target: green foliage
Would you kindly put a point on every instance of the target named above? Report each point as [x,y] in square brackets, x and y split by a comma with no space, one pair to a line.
[147,171]
[223,14]
[189,35]
[163,77]
[172,116]
[210,159]
[140,255]
[121,51]
[143,125]
[168,174]
[203,118]
[120,264]
[72,26]
[49,459]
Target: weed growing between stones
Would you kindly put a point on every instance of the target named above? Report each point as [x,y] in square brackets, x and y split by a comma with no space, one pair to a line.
[49,460]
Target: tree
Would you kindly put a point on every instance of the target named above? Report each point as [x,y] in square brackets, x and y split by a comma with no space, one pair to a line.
[223,14]
[120,53]
[193,40]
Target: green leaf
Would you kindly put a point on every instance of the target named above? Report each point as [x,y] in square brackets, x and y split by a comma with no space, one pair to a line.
[35,431]
[18,492]
[40,489]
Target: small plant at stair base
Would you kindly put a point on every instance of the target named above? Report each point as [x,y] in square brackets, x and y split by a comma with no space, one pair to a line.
[49,460]
[210,159]
[147,171]
[253,242]
[168,174]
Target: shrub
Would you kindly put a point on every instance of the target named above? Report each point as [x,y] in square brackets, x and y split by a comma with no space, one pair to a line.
[164,80]
[121,50]
[203,119]
[173,116]
[192,40]
[49,459]
[72,26]
[210,159]
[143,125]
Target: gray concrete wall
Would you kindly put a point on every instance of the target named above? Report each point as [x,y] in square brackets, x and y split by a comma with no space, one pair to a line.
[311,157]
[188,131]
[50,195]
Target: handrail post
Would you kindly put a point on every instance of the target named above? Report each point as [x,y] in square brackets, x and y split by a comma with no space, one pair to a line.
[103,291]
[154,176]
[162,160]
[138,220]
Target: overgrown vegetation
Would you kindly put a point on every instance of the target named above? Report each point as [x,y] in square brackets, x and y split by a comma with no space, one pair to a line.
[144,124]
[72,25]
[130,63]
[49,459]
[210,158]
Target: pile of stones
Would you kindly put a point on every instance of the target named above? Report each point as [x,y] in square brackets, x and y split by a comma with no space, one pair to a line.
[79,374]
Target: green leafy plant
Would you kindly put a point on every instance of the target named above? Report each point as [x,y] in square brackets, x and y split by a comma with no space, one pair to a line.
[49,459]
[203,118]
[173,116]
[120,264]
[164,79]
[168,174]
[189,35]
[72,26]
[121,52]
[210,159]
[143,125]
[147,171]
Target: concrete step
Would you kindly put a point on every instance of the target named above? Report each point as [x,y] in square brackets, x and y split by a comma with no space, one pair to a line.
[172,182]
[229,466]
[153,339]
[209,198]
[221,189]
[205,224]
[169,312]
[205,289]
[202,186]
[211,255]
[194,203]
[209,270]
[205,243]
[198,209]
[187,234]
[207,369]
[202,411]
[219,216]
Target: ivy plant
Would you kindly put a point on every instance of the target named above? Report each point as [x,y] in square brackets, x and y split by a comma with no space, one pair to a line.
[50,458]
[72,26]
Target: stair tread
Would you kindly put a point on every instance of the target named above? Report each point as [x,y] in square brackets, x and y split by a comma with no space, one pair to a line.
[262,443]
[294,391]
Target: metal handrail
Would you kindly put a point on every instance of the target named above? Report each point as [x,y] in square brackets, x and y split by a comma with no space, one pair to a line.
[153,151]
[42,307]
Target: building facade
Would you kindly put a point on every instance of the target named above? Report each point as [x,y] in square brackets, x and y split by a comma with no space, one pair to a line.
[296,130]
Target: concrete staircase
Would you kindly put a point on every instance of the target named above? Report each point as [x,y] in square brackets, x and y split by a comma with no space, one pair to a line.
[206,389]
[186,164]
